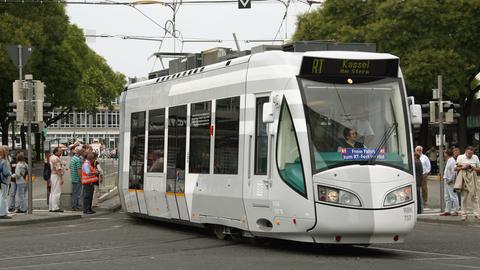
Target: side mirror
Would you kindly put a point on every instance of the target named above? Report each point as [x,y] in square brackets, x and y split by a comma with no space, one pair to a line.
[416,114]
[267,116]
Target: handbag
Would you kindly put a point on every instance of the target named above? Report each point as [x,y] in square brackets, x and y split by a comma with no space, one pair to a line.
[458,182]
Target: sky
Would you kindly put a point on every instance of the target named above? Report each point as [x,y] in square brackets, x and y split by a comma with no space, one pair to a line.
[193,21]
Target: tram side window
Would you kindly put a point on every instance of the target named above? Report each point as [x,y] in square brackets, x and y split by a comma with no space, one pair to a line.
[289,162]
[156,138]
[227,118]
[137,150]
[200,120]
[261,138]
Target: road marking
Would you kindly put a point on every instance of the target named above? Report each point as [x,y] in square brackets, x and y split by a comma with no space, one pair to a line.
[101,218]
[63,253]
[39,199]
[418,252]
[459,265]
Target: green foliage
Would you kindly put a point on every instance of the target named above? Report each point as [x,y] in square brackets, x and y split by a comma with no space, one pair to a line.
[431,37]
[75,76]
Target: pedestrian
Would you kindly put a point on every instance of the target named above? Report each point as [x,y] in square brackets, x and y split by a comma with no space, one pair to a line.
[449,176]
[12,191]
[21,172]
[47,173]
[96,191]
[76,174]
[426,170]
[456,153]
[468,166]
[4,174]
[432,154]
[419,182]
[56,180]
[89,178]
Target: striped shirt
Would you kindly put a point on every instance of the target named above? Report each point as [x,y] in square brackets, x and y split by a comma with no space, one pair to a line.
[75,165]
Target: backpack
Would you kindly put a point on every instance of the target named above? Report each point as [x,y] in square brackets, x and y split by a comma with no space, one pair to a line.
[47,171]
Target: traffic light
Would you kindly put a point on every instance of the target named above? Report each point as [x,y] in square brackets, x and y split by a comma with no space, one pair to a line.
[449,111]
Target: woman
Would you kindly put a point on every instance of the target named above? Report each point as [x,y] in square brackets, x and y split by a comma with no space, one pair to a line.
[21,171]
[418,180]
[47,173]
[4,174]
[449,178]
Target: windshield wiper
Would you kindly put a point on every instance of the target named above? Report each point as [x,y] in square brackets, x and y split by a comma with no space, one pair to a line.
[382,143]
[385,137]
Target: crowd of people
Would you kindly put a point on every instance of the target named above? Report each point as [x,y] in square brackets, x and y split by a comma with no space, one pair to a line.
[85,174]
[460,178]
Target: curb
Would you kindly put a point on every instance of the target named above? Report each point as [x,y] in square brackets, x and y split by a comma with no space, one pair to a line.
[40,220]
[459,222]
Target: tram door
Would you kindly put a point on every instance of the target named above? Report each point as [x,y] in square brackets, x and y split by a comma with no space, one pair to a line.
[175,189]
[258,179]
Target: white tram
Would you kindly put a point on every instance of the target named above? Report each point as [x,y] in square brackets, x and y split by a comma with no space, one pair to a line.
[256,145]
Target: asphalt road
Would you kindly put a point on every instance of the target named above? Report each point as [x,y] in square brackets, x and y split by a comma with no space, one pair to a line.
[117,241]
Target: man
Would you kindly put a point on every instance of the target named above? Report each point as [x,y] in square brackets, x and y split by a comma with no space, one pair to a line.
[89,178]
[426,170]
[76,174]
[56,180]
[468,165]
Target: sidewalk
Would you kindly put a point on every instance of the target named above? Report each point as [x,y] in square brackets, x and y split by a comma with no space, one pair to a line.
[432,212]
[42,215]
[40,209]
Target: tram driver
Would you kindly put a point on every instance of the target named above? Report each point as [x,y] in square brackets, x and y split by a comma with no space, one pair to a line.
[350,139]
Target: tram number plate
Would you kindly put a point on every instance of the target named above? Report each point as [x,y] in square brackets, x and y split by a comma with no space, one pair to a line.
[408,213]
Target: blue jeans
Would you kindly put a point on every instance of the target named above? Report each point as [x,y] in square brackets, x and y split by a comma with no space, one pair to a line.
[76,190]
[450,198]
[22,194]
[3,199]
[419,200]
[12,193]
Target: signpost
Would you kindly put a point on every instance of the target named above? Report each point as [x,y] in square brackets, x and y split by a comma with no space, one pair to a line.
[20,55]
[242,4]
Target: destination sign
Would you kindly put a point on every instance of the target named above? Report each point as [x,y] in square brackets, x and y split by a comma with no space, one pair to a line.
[327,67]
[361,153]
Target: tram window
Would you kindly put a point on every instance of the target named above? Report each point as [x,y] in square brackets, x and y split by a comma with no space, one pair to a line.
[156,138]
[200,137]
[137,147]
[261,138]
[289,162]
[177,129]
[226,135]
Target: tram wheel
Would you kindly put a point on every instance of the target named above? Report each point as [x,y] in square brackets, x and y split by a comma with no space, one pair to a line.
[218,230]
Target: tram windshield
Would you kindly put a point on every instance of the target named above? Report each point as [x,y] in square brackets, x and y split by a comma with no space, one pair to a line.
[357,124]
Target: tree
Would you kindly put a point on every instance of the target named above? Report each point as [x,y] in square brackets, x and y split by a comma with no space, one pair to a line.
[431,37]
[61,59]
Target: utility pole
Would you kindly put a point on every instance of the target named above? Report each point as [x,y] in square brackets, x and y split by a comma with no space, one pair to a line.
[440,148]
[29,89]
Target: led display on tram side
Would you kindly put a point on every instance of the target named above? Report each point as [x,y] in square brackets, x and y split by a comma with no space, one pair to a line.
[327,67]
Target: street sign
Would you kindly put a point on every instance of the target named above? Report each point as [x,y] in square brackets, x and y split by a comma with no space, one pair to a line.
[244,4]
[13,50]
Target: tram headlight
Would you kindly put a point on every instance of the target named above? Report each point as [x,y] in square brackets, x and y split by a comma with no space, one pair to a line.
[338,196]
[398,196]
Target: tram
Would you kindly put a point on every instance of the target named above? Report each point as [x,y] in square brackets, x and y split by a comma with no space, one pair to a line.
[257,146]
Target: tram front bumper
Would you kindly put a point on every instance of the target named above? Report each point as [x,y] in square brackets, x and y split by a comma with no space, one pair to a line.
[361,226]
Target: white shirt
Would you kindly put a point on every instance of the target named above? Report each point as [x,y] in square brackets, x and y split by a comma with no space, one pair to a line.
[449,173]
[425,164]
[462,159]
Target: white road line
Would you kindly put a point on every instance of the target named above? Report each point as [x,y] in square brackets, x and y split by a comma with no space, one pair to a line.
[418,252]
[62,253]
[459,265]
